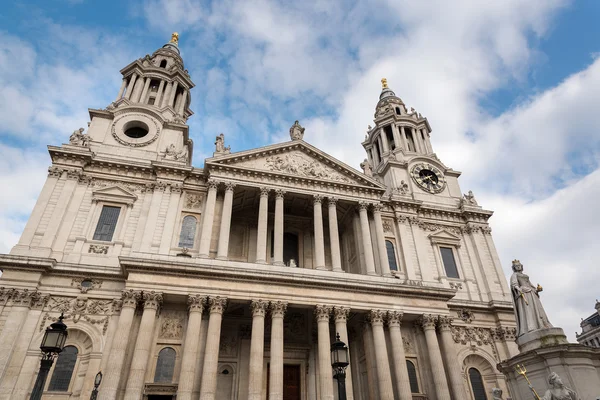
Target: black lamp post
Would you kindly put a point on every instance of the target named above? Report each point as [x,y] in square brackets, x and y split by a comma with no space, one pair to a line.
[339,362]
[97,381]
[52,344]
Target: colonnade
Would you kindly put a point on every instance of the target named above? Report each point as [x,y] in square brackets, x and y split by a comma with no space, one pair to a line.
[136,87]
[278,231]
[441,359]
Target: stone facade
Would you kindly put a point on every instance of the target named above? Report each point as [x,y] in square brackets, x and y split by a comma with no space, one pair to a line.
[590,329]
[226,281]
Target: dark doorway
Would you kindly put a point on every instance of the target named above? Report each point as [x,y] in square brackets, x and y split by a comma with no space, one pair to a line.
[291,382]
[159,397]
[290,248]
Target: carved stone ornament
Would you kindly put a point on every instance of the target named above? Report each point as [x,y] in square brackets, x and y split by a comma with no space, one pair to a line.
[23,298]
[171,153]
[445,322]
[456,285]
[120,123]
[152,300]
[468,199]
[322,312]
[296,131]
[317,199]
[278,309]
[95,312]
[496,394]
[196,303]
[171,326]
[98,249]
[220,148]
[193,201]
[130,298]
[427,321]
[376,316]
[217,304]
[387,225]
[466,315]
[86,284]
[78,138]
[394,318]
[300,164]
[259,308]
[366,167]
[341,313]
[472,335]
[408,348]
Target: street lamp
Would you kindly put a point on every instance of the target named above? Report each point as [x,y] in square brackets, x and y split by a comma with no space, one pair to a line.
[97,381]
[339,362]
[52,344]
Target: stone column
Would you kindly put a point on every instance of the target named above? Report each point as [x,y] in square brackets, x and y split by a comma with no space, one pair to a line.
[131,86]
[366,238]
[341,317]
[167,95]
[384,376]
[173,93]
[223,248]
[261,234]
[257,347]
[278,253]
[116,358]
[319,236]
[189,359]
[278,309]
[450,357]
[208,387]
[334,235]
[394,319]
[435,358]
[208,220]
[21,300]
[143,343]
[325,371]
[384,141]
[369,351]
[380,236]
[181,110]
[123,85]
[142,98]
[159,94]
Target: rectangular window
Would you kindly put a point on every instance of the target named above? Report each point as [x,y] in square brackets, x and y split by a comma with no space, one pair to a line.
[449,262]
[107,223]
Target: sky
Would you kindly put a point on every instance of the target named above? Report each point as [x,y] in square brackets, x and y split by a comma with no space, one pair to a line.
[511,89]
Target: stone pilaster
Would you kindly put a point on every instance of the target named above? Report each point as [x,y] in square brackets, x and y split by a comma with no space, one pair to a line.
[189,359]
[208,387]
[450,357]
[428,323]
[261,234]
[223,248]
[278,309]
[208,219]
[137,371]
[341,319]
[131,85]
[380,237]
[116,358]
[334,236]
[257,347]
[394,320]
[319,236]
[278,249]
[366,237]
[384,376]
[322,314]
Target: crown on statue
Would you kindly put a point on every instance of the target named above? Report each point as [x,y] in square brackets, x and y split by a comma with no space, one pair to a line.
[516,262]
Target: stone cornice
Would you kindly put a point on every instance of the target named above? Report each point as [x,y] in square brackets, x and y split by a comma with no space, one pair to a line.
[24,263]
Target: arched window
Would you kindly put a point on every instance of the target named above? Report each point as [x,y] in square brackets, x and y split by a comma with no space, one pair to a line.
[391,255]
[165,366]
[477,384]
[188,232]
[163,64]
[412,377]
[61,378]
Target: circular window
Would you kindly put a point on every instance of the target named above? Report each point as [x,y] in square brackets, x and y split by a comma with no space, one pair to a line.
[135,129]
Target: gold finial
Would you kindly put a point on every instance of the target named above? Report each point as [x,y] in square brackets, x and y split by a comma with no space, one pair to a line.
[384,83]
[175,38]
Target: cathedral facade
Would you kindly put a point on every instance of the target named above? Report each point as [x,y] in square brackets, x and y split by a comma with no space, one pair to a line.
[231,281]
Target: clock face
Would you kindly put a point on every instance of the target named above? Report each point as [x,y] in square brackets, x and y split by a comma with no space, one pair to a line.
[428,177]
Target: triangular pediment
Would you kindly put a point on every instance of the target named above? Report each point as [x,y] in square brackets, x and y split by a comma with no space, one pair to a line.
[114,194]
[295,159]
[444,236]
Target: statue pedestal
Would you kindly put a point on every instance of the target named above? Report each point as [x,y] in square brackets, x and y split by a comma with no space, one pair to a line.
[541,338]
[578,366]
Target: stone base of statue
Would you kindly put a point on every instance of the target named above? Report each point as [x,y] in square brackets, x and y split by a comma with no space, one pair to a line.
[545,351]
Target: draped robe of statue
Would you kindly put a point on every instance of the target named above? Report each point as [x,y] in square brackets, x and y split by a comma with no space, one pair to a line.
[560,394]
[529,311]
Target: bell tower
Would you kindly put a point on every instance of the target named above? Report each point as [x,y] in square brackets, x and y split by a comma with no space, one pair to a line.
[148,119]
[400,155]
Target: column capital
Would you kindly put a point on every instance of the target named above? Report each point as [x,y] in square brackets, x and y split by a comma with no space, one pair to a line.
[332,201]
[279,193]
[130,298]
[217,304]
[394,318]
[376,317]
[445,322]
[196,303]
[229,186]
[428,321]
[264,191]
[377,207]
[278,309]
[23,298]
[152,300]
[317,199]
[259,308]
[341,313]
[363,205]
[212,184]
[322,312]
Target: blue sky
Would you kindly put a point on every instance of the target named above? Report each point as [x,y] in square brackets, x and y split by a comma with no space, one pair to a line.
[510,88]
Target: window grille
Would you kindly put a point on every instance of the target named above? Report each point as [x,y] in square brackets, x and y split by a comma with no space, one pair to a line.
[412,377]
[188,232]
[165,365]
[477,384]
[391,254]
[449,262]
[107,223]
[63,371]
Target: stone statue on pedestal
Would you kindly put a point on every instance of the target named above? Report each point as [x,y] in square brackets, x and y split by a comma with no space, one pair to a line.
[497,394]
[558,391]
[529,311]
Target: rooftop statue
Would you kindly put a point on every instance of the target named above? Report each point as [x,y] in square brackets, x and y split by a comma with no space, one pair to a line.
[529,311]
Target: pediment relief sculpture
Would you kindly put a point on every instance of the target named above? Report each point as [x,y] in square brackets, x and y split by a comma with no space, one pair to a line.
[297,163]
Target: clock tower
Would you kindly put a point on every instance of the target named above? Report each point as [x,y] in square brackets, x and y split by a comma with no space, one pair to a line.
[401,157]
